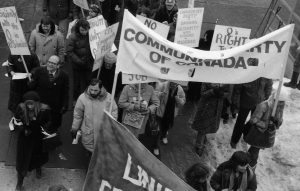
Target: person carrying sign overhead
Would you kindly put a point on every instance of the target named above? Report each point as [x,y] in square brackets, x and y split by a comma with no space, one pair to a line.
[166,13]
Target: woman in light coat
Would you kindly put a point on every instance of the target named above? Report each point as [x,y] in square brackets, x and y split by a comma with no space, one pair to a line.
[172,97]
[45,40]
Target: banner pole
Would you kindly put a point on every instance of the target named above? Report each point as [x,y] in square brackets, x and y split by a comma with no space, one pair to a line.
[113,91]
[139,93]
[100,66]
[82,12]
[26,69]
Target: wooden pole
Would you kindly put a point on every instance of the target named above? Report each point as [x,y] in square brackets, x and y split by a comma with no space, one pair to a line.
[113,91]
[25,66]
[82,11]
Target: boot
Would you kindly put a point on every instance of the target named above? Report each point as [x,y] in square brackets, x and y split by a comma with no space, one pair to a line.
[19,183]
[293,82]
[38,173]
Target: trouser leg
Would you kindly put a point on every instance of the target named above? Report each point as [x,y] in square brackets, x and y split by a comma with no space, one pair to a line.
[238,127]
[254,153]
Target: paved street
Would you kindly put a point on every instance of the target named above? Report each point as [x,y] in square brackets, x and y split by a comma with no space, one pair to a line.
[178,156]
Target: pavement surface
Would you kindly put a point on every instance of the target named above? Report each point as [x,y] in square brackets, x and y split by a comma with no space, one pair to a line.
[178,155]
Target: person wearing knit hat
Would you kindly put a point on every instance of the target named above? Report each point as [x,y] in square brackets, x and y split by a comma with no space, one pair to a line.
[107,73]
[30,153]
[234,174]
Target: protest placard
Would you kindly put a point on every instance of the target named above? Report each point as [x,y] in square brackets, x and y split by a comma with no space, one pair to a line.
[188,26]
[121,162]
[13,31]
[159,28]
[134,79]
[97,26]
[191,3]
[226,37]
[82,4]
[102,43]
[147,53]
[71,25]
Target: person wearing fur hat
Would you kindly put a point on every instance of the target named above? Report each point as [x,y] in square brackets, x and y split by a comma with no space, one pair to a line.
[34,115]
[234,174]
[197,176]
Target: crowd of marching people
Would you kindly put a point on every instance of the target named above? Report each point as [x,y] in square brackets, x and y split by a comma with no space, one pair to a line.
[39,102]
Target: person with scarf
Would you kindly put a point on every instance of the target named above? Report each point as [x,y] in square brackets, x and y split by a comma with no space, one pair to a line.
[197,176]
[34,117]
[173,99]
[234,174]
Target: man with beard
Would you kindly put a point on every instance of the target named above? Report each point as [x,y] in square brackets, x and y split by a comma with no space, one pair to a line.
[88,113]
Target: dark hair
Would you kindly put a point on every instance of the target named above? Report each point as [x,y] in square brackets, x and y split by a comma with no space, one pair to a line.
[96,81]
[47,21]
[239,158]
[144,10]
[196,172]
[83,24]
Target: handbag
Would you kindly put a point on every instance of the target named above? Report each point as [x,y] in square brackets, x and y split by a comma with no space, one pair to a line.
[152,126]
[257,138]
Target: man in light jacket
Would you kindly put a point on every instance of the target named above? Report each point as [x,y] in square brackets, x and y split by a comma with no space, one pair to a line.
[88,113]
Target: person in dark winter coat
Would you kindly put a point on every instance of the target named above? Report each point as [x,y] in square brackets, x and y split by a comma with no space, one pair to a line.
[166,13]
[248,95]
[111,10]
[30,154]
[171,34]
[197,176]
[107,74]
[194,88]
[60,11]
[234,174]
[80,56]
[208,114]
[19,87]
[52,85]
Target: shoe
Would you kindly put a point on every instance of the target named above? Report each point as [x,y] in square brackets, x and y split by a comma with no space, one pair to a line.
[38,173]
[18,187]
[165,140]
[293,82]
[156,152]
[233,145]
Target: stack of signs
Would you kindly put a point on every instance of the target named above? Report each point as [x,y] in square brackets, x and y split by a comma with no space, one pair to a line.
[188,26]
[100,38]
[226,37]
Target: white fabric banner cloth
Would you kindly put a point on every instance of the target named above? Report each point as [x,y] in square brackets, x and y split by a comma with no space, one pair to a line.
[144,52]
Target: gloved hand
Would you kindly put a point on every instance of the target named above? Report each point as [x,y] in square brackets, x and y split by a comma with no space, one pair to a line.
[73,133]
[219,92]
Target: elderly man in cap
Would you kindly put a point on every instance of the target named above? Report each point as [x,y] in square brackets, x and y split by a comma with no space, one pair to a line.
[52,85]
[107,73]
[166,13]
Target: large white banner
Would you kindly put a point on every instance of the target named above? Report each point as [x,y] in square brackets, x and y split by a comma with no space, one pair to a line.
[81,3]
[97,25]
[188,27]
[144,52]
[226,37]
[13,31]
[158,27]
